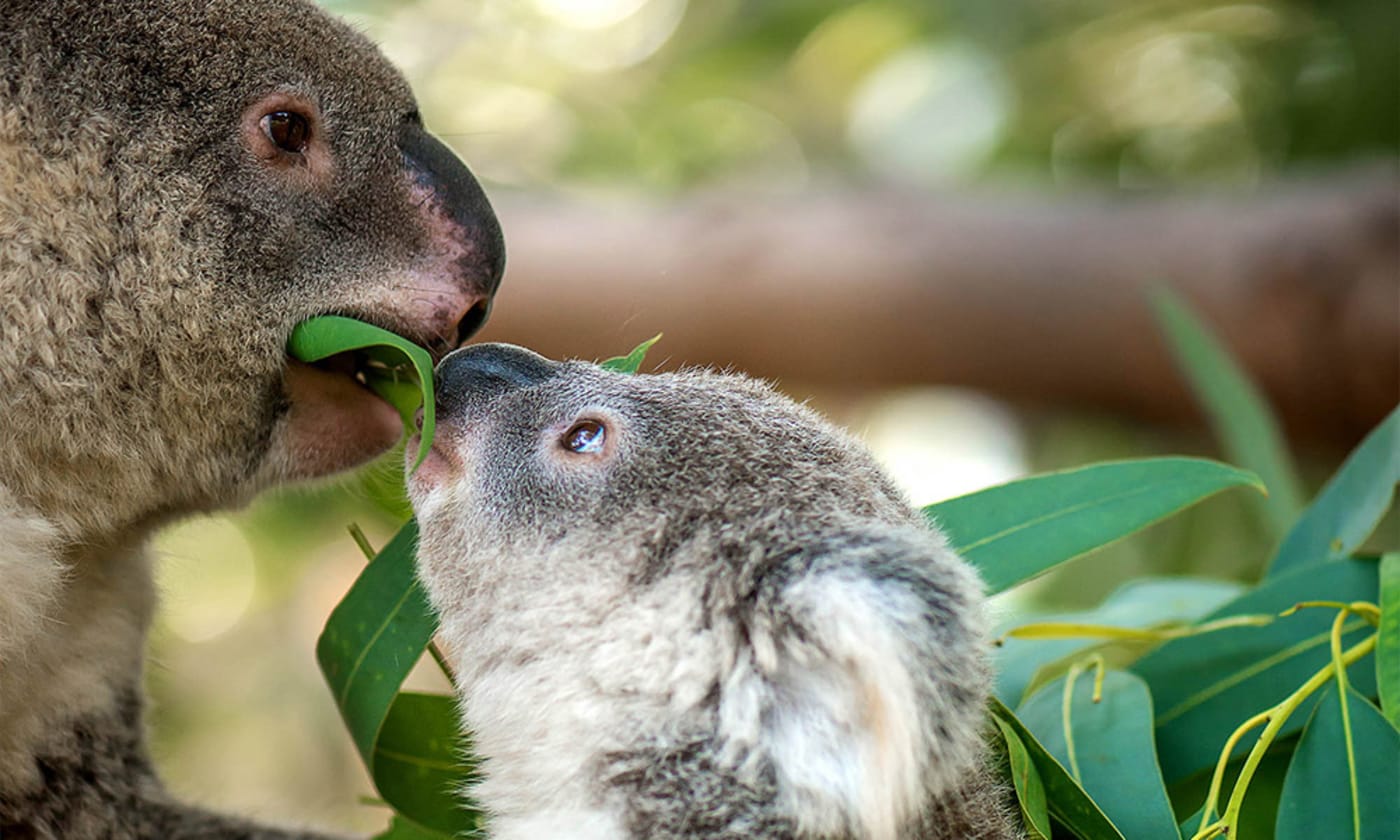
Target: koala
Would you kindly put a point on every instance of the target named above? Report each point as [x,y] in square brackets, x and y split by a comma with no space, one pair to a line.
[181,183]
[683,606]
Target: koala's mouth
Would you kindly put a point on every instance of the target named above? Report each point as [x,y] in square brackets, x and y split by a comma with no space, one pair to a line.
[342,408]
[335,421]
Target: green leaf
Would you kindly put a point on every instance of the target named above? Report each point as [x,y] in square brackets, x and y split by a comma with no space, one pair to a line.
[403,829]
[1030,791]
[1016,531]
[1205,686]
[421,763]
[1109,747]
[1237,410]
[1146,602]
[371,641]
[632,361]
[1066,801]
[1350,505]
[1388,644]
[397,359]
[1344,780]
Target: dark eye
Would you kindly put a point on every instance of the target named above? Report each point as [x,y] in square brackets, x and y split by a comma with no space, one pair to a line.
[288,130]
[585,437]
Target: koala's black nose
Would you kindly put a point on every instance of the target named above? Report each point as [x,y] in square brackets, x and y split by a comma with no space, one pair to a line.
[483,370]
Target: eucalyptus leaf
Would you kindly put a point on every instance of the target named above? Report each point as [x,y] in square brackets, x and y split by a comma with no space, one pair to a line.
[371,641]
[1388,643]
[1110,745]
[422,764]
[404,829]
[1066,801]
[632,362]
[1030,790]
[320,338]
[1349,506]
[1237,410]
[1205,686]
[1016,531]
[1344,780]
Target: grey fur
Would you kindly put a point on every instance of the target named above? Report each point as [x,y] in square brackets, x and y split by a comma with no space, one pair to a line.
[729,623]
[154,257]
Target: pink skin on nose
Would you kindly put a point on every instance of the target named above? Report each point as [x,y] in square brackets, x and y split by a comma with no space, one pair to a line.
[334,422]
[441,288]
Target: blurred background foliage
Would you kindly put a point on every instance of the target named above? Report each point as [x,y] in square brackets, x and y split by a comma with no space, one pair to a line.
[609,100]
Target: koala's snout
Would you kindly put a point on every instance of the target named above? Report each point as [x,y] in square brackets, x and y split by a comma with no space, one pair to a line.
[465,227]
[482,371]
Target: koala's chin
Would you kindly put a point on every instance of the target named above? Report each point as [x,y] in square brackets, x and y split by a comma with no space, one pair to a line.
[683,606]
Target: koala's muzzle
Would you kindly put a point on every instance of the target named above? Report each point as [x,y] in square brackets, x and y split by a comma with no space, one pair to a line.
[481,372]
[464,206]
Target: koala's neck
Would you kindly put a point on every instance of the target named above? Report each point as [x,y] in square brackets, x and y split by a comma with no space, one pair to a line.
[72,633]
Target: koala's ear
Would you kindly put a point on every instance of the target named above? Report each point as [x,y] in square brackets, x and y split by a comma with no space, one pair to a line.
[864,682]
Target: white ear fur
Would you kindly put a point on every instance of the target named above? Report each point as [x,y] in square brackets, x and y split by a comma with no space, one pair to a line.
[833,703]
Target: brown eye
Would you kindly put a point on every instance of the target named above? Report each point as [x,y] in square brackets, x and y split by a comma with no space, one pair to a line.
[585,437]
[288,130]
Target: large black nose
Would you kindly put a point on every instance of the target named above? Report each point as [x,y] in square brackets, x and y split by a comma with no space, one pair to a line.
[482,371]
[437,169]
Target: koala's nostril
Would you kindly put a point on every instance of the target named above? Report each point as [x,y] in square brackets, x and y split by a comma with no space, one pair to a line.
[473,321]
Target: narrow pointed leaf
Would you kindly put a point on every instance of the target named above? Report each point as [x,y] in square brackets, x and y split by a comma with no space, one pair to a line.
[1205,686]
[1237,410]
[421,763]
[1112,747]
[320,338]
[371,641]
[633,360]
[1350,505]
[1016,531]
[1066,801]
[403,829]
[1030,791]
[1388,645]
[1344,780]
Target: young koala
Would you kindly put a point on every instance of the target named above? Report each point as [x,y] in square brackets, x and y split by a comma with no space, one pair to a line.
[683,606]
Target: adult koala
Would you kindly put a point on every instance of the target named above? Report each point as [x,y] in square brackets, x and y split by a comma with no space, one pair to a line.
[181,182]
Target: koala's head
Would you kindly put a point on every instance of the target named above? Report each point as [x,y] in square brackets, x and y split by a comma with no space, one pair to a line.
[530,453]
[181,183]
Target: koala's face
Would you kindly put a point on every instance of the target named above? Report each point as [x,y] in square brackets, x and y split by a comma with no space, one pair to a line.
[190,180]
[530,452]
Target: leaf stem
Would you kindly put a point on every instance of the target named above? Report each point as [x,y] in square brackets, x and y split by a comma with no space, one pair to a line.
[1365,609]
[1276,717]
[1342,689]
[1075,630]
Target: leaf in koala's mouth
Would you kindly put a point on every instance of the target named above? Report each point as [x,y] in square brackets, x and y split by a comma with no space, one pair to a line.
[393,367]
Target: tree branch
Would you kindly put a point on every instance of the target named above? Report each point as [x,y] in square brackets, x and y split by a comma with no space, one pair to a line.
[1033,299]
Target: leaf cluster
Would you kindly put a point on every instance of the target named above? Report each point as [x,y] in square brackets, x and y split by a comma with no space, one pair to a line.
[1133,720]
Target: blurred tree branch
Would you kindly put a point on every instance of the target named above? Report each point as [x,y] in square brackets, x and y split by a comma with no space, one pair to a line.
[1039,299]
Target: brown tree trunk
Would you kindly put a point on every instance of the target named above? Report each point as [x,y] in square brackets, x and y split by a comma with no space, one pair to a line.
[1040,299]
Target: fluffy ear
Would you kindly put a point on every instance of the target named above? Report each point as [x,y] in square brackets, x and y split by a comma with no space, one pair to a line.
[864,680]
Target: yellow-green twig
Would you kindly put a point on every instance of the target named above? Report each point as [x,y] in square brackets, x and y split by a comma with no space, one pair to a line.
[1075,630]
[1277,716]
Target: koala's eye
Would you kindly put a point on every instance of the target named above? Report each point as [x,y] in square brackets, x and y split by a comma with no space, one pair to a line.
[288,130]
[585,437]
